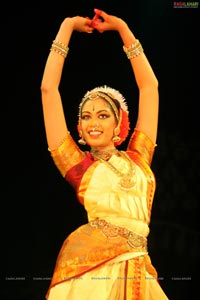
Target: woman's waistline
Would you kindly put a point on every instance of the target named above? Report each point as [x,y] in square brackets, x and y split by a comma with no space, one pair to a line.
[133,239]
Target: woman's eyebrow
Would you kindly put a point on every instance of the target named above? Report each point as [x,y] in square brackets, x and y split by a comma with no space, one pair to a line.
[100,111]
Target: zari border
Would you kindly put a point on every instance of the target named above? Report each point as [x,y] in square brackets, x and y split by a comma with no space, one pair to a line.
[135,279]
[141,143]
[67,155]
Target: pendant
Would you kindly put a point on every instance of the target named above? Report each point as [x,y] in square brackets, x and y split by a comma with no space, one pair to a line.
[127,182]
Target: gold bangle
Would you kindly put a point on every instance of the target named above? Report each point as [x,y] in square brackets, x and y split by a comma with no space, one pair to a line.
[59,48]
[60,44]
[134,50]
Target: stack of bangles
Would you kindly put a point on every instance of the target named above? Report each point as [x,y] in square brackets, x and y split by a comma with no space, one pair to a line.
[134,50]
[59,48]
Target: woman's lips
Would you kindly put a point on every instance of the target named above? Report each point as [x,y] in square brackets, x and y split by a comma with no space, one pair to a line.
[95,134]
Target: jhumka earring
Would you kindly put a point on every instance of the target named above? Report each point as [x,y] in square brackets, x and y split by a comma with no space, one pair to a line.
[116,138]
[82,141]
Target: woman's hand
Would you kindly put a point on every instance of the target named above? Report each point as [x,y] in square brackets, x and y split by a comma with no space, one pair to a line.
[104,22]
[81,24]
[101,22]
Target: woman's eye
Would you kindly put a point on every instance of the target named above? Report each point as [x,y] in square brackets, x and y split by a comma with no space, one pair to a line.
[100,116]
[103,116]
[85,117]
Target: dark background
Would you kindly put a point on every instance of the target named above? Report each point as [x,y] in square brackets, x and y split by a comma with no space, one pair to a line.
[39,208]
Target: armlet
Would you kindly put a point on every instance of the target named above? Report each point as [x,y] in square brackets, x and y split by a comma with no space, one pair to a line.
[141,143]
[66,155]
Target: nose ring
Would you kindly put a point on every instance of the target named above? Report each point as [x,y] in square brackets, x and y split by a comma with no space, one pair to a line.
[95,127]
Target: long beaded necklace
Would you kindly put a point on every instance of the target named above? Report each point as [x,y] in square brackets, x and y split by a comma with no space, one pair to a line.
[127,180]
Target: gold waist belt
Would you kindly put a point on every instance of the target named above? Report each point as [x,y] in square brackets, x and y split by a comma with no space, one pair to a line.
[111,231]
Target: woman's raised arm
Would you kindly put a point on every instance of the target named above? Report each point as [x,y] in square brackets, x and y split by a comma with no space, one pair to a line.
[147,119]
[54,118]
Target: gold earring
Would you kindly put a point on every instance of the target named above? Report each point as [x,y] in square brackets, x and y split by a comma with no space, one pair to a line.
[82,141]
[116,138]
[116,131]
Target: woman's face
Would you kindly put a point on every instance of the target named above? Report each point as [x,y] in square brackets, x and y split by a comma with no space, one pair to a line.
[97,123]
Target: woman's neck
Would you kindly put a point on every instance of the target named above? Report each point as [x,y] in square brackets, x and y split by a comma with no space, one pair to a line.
[103,152]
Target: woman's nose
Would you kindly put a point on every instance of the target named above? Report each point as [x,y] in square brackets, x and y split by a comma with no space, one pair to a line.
[94,123]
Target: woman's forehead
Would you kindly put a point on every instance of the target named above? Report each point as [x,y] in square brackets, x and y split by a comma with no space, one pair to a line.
[95,105]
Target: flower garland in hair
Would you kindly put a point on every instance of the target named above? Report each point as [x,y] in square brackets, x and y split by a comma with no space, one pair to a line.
[124,128]
[110,91]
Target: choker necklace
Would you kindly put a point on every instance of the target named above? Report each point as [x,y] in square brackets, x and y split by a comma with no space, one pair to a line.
[105,155]
[127,180]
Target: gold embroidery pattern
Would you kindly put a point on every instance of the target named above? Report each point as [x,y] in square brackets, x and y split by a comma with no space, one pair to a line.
[111,231]
[66,155]
[142,144]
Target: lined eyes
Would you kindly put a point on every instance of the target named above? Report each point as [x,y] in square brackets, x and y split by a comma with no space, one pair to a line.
[100,116]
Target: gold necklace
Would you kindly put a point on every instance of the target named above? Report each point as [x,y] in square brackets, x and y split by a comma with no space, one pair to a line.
[105,155]
[127,181]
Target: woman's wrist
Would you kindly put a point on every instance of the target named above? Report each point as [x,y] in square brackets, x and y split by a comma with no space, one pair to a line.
[64,33]
[67,24]
[126,34]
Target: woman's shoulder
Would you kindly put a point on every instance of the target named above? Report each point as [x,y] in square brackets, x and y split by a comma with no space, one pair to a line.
[67,155]
[141,144]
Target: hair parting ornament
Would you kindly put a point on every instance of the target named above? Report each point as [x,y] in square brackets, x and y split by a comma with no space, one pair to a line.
[110,95]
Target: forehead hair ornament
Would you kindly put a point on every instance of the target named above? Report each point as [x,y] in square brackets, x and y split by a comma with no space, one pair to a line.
[108,94]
